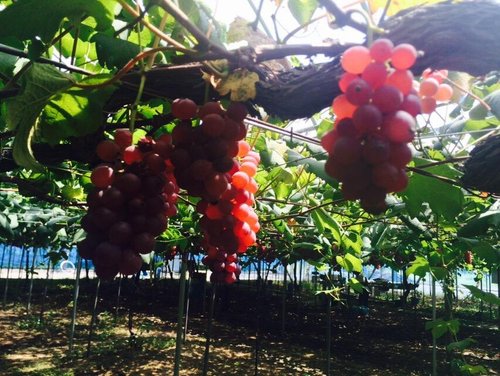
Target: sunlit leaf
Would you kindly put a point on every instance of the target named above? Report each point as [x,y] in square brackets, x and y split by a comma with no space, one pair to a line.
[443,198]
[240,84]
[419,267]
[302,10]
[74,113]
[114,52]
[28,19]
[440,327]
[483,295]
[397,6]
[39,84]
[480,224]
[461,345]
[350,263]
[356,285]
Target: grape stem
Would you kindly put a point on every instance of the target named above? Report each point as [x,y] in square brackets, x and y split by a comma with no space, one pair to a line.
[319,206]
[437,163]
[301,27]
[420,171]
[341,17]
[468,92]
[35,191]
[149,26]
[184,20]
[370,25]
[140,56]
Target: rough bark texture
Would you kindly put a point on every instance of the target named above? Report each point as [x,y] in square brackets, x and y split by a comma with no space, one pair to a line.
[457,36]
[481,169]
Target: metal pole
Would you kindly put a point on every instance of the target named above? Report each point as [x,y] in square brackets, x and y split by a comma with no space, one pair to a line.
[6,288]
[28,307]
[94,315]
[434,345]
[209,331]
[76,290]
[180,315]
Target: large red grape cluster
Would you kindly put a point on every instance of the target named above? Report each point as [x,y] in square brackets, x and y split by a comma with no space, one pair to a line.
[375,119]
[134,193]
[213,162]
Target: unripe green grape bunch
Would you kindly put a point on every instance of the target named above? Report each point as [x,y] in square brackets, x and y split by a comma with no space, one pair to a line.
[374,122]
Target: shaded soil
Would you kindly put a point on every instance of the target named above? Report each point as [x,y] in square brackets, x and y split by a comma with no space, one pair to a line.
[138,338]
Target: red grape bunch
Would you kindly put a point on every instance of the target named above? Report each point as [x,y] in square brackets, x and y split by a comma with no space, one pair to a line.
[432,89]
[134,193]
[213,162]
[375,120]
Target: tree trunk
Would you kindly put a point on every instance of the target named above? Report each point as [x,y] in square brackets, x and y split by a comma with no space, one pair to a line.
[459,36]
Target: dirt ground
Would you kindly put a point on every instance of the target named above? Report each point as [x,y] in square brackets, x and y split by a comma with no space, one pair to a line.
[138,338]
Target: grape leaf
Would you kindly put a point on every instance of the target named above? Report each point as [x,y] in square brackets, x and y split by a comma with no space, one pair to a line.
[7,64]
[480,224]
[240,84]
[487,297]
[350,263]
[443,198]
[419,267]
[326,222]
[28,19]
[39,84]
[311,164]
[74,113]
[302,10]
[397,5]
[493,100]
[461,345]
[356,285]
[439,327]
[114,52]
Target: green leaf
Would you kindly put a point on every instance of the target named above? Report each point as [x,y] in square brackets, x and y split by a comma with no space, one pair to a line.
[461,345]
[468,369]
[312,165]
[28,19]
[282,181]
[114,52]
[7,64]
[439,272]
[39,84]
[79,236]
[439,327]
[480,224]
[325,222]
[85,50]
[486,297]
[302,10]
[478,112]
[487,252]
[5,226]
[419,267]
[443,198]
[350,263]
[326,125]
[493,100]
[356,285]
[478,125]
[72,193]
[74,113]
[353,241]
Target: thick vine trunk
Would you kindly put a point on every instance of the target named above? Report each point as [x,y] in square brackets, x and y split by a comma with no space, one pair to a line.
[457,36]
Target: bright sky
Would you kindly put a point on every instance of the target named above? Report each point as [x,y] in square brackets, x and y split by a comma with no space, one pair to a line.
[318,32]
